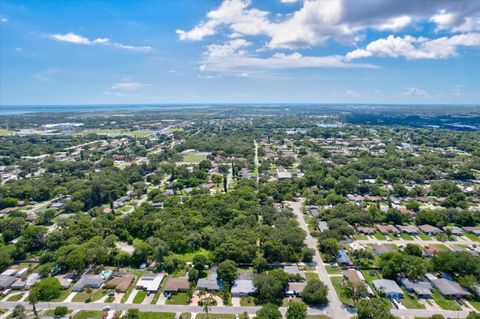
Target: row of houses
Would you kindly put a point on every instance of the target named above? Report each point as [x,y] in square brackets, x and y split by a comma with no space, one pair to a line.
[415,230]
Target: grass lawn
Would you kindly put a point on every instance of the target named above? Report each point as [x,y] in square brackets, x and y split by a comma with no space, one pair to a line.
[193,158]
[406,236]
[247,301]
[5,132]
[333,271]
[180,298]
[16,297]
[139,297]
[370,279]
[424,236]
[359,237]
[120,131]
[138,275]
[51,312]
[156,315]
[379,236]
[411,303]
[63,294]
[441,246]
[189,256]
[85,314]
[444,303]
[475,303]
[185,315]
[215,316]
[472,236]
[95,295]
[311,276]
[286,301]
[337,284]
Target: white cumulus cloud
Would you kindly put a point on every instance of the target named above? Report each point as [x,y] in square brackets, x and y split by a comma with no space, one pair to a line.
[79,39]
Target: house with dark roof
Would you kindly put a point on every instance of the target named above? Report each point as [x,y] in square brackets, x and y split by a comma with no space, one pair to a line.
[366,230]
[449,288]
[88,281]
[211,283]
[422,289]
[387,229]
[383,249]
[175,285]
[295,289]
[120,282]
[430,230]
[454,230]
[409,229]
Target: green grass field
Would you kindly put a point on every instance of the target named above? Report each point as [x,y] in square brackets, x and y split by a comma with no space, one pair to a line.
[63,294]
[156,315]
[16,297]
[311,276]
[360,237]
[120,131]
[95,295]
[86,314]
[444,303]
[424,236]
[247,301]
[5,132]
[406,236]
[333,271]
[193,158]
[472,236]
[139,297]
[337,284]
[180,298]
[411,303]
[379,236]
[188,257]
[215,316]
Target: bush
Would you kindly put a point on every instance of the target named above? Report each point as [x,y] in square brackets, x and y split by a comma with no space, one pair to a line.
[60,311]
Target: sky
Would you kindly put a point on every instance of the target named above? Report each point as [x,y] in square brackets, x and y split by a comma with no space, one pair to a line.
[239,51]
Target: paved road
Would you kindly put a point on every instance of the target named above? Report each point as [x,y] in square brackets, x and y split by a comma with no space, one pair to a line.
[255,161]
[75,306]
[335,308]
[419,242]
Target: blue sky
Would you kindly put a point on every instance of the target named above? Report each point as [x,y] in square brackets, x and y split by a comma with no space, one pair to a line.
[239,51]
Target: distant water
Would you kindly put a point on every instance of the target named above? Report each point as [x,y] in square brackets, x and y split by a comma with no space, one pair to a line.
[24,109]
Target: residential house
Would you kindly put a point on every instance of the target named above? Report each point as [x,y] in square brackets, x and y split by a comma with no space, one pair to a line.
[383,249]
[449,288]
[343,259]
[457,231]
[294,270]
[242,287]
[175,285]
[389,288]
[295,289]
[322,226]
[211,283]
[366,230]
[387,229]
[409,229]
[430,230]
[88,281]
[422,289]
[150,282]
[6,281]
[472,230]
[120,282]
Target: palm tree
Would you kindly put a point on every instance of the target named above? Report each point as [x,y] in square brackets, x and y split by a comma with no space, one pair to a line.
[207,303]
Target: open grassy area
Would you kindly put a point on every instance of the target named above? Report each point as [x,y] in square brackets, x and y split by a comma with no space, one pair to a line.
[5,132]
[193,158]
[424,236]
[333,271]
[247,301]
[406,236]
[286,301]
[442,247]
[63,294]
[16,297]
[120,131]
[86,314]
[180,298]
[411,303]
[444,303]
[215,316]
[472,236]
[379,236]
[360,237]
[337,284]
[156,315]
[475,303]
[370,278]
[139,297]
[311,276]
[95,295]
[189,256]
